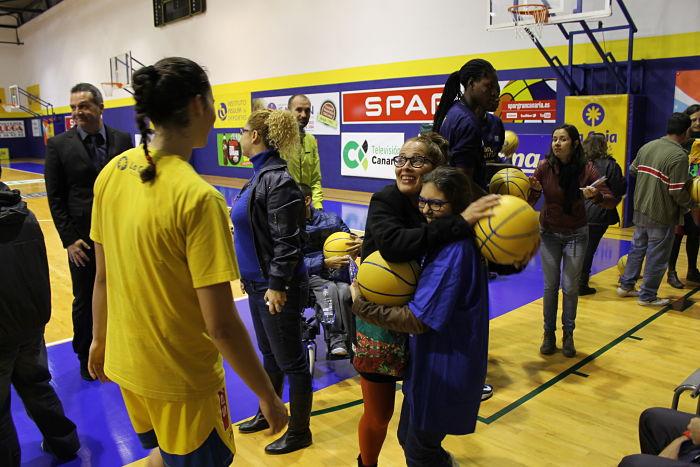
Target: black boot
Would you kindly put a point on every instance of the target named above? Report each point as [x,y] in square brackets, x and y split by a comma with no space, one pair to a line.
[360,464]
[568,348]
[298,435]
[549,343]
[673,280]
[258,423]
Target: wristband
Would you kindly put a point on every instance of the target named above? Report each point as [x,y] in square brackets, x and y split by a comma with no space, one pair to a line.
[686,433]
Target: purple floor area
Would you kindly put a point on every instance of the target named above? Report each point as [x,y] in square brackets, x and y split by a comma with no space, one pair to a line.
[33,167]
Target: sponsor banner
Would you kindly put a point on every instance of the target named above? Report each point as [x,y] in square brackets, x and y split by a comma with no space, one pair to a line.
[395,105]
[531,150]
[36,128]
[228,150]
[324,111]
[606,114]
[369,154]
[528,101]
[48,129]
[5,154]
[68,122]
[687,90]
[12,129]
[232,109]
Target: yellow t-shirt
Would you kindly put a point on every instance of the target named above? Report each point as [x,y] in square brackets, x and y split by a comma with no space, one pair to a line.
[161,241]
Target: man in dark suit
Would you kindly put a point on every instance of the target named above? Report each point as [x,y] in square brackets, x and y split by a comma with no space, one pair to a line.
[73,160]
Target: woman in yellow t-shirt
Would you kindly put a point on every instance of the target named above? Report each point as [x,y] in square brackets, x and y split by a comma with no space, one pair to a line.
[163,251]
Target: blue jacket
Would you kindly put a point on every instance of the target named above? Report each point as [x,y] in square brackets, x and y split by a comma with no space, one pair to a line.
[318,228]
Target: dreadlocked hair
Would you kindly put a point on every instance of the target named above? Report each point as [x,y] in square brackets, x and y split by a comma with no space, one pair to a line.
[473,70]
[278,129]
[162,93]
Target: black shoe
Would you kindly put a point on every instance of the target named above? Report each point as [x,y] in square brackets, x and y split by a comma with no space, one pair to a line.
[290,442]
[673,280]
[549,343]
[61,456]
[255,424]
[693,276]
[486,392]
[584,289]
[360,464]
[568,348]
[84,373]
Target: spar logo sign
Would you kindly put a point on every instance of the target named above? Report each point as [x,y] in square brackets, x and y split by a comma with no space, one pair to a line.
[355,155]
[593,114]
[369,154]
[393,105]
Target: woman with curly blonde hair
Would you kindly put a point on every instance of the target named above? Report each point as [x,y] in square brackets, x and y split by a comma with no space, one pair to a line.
[268,220]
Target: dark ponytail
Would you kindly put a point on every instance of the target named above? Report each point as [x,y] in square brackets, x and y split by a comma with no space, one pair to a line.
[473,70]
[162,93]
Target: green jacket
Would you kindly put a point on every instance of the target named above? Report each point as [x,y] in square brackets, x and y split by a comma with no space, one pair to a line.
[661,168]
[305,167]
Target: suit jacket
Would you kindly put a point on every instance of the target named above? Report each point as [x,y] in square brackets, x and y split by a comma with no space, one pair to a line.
[70,175]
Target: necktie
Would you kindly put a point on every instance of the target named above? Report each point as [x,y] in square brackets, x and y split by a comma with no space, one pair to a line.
[97,150]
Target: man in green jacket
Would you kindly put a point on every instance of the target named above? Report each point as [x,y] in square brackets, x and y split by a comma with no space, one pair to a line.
[661,198]
[304,165]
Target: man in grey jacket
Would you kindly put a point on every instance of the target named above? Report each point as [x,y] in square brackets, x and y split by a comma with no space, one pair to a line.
[660,200]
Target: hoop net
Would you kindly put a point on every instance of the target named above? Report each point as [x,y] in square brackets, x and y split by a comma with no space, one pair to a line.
[529,18]
[109,87]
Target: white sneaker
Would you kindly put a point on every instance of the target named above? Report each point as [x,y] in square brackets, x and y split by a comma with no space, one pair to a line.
[627,293]
[657,302]
[339,350]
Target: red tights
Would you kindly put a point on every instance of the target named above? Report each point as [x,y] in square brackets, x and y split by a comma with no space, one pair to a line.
[379,407]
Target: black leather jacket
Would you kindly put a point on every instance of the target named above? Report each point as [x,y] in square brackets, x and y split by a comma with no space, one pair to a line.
[276,210]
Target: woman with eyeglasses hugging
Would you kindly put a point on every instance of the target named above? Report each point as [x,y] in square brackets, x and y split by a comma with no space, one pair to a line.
[396,228]
[268,220]
[448,320]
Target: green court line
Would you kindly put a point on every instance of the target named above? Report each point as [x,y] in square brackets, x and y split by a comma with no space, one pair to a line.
[572,370]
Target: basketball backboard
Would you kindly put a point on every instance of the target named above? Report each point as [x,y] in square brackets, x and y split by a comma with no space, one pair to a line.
[560,11]
[121,67]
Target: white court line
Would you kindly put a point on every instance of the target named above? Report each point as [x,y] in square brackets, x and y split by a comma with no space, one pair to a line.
[63,341]
[24,182]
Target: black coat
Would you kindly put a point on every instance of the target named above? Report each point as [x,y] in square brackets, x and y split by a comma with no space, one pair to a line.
[70,175]
[399,231]
[596,214]
[25,291]
[277,215]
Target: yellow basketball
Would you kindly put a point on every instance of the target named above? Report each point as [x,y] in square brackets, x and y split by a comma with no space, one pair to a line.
[337,244]
[622,264]
[510,181]
[510,143]
[695,190]
[387,283]
[511,235]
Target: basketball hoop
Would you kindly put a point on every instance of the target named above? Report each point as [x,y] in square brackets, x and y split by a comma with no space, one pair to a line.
[109,87]
[529,18]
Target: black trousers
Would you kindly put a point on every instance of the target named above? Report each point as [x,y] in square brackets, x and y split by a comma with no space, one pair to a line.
[657,428]
[83,278]
[24,365]
[595,234]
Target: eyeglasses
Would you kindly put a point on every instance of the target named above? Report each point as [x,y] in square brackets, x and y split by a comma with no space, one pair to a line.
[434,205]
[416,162]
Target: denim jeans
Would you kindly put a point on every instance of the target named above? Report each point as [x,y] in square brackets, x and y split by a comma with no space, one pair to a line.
[421,448]
[654,242]
[24,365]
[339,293]
[559,251]
[279,335]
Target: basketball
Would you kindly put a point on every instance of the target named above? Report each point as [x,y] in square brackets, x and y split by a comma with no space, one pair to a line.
[695,190]
[510,143]
[387,283]
[511,235]
[622,264]
[337,244]
[510,181]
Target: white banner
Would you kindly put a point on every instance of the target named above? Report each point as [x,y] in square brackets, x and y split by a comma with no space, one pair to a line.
[369,154]
[36,128]
[12,129]
[325,111]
